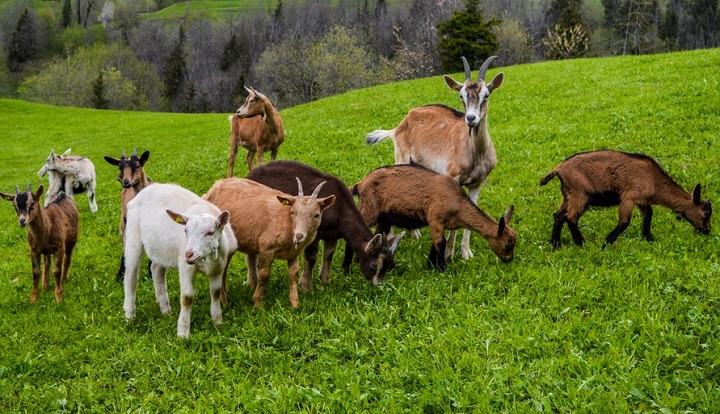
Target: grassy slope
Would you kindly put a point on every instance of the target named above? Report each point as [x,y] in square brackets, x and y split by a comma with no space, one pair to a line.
[631,327]
[208,9]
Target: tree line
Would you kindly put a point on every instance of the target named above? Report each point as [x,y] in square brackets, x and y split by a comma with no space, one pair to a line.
[104,54]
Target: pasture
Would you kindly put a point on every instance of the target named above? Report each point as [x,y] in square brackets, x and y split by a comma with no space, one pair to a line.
[630,328]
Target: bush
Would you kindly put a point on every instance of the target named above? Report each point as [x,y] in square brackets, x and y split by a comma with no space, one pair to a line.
[514,44]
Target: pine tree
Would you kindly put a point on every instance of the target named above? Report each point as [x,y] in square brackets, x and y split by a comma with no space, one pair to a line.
[23,43]
[176,69]
[468,34]
[66,13]
[99,100]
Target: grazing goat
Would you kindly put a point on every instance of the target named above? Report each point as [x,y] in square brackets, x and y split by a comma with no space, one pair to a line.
[256,126]
[340,221]
[448,141]
[610,178]
[194,238]
[133,179]
[52,230]
[69,173]
[411,196]
[269,225]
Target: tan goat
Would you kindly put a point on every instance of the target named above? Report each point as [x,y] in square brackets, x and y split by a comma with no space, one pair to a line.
[52,230]
[450,142]
[256,126]
[269,225]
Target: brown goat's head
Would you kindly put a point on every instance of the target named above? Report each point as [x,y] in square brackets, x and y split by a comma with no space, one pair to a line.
[475,95]
[26,204]
[699,213]
[306,212]
[503,243]
[255,104]
[376,259]
[131,168]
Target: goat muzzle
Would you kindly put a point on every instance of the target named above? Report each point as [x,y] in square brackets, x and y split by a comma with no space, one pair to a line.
[191,258]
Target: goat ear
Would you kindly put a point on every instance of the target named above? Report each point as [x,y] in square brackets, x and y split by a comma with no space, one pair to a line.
[112,161]
[326,202]
[501,226]
[286,201]
[39,192]
[696,195]
[374,244]
[67,152]
[452,83]
[223,219]
[144,157]
[394,242]
[496,82]
[509,213]
[8,197]
[177,217]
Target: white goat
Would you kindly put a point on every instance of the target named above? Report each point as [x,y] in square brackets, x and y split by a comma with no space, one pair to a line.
[69,173]
[449,142]
[206,246]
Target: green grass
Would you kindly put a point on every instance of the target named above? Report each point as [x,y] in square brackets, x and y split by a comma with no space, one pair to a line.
[630,328]
[214,9]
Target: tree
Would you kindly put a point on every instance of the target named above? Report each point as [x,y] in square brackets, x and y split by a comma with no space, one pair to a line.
[634,25]
[176,69]
[66,13]
[468,34]
[99,100]
[23,44]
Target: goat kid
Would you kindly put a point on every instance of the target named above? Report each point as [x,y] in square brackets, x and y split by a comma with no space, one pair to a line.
[52,231]
[133,179]
[269,225]
[177,229]
[450,142]
[610,178]
[69,173]
[411,196]
[256,126]
[342,220]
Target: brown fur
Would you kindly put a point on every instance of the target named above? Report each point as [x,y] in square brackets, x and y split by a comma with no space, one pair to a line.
[52,231]
[257,127]
[606,178]
[268,225]
[410,196]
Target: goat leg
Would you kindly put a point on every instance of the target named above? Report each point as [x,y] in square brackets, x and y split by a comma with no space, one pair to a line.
[329,247]
[311,252]
[57,275]
[35,258]
[293,270]
[559,220]
[625,213]
[46,271]
[347,260]
[647,213]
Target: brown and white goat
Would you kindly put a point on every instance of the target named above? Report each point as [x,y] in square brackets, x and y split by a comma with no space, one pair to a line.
[609,178]
[269,225]
[340,221]
[411,196]
[69,173]
[133,179]
[256,126]
[448,141]
[52,230]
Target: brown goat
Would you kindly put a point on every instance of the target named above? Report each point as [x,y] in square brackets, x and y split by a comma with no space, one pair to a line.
[268,225]
[133,179]
[52,230]
[450,142]
[410,196]
[256,126]
[341,221]
[609,178]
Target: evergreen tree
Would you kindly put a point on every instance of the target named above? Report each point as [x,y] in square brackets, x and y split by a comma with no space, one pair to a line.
[66,13]
[99,100]
[23,43]
[468,34]
[706,23]
[176,69]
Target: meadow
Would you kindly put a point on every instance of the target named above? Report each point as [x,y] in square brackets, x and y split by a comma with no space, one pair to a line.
[629,328]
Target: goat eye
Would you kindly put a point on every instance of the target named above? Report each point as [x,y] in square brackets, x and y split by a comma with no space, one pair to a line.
[208,234]
[317,215]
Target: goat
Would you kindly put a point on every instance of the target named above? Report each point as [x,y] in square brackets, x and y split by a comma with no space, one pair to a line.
[256,134]
[133,179]
[411,196]
[450,142]
[69,173]
[610,178]
[52,230]
[206,245]
[269,225]
[340,221]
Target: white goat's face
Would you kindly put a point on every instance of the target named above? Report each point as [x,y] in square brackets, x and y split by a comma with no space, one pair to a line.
[254,105]
[202,234]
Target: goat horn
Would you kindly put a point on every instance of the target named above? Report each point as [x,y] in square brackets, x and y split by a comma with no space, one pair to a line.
[123,154]
[317,190]
[300,190]
[467,69]
[484,67]
[29,188]
[134,154]
[17,189]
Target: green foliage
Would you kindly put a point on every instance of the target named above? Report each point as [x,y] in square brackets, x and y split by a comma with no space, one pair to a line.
[468,34]
[99,100]
[175,70]
[629,328]
[23,44]
[66,13]
[567,36]
[75,37]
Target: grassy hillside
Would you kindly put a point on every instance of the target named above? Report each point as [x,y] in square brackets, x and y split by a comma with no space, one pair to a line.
[633,327]
[214,9]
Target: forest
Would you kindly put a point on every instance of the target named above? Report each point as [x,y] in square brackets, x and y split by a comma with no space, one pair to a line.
[162,55]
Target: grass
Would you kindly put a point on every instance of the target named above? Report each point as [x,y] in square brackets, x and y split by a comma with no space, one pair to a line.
[214,9]
[630,328]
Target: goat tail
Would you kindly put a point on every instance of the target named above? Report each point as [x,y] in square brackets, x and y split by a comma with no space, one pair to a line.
[546,179]
[379,135]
